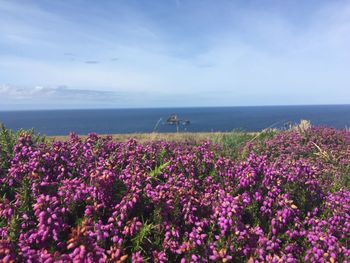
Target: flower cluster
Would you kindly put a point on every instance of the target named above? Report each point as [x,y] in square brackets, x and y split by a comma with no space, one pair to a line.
[96,200]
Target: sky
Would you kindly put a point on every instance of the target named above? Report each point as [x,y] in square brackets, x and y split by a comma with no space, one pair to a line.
[173,53]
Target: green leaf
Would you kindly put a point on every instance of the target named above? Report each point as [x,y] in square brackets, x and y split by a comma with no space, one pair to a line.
[159,169]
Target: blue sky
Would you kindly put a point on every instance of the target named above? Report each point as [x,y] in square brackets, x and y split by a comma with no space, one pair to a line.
[173,53]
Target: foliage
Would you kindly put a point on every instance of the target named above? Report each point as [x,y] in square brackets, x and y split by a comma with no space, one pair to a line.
[268,197]
[8,140]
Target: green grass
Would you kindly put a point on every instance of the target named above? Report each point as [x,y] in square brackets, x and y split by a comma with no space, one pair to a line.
[234,143]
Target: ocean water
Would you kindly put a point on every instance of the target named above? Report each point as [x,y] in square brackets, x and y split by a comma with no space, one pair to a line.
[109,121]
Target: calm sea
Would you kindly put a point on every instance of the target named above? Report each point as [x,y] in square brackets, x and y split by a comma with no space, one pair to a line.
[62,122]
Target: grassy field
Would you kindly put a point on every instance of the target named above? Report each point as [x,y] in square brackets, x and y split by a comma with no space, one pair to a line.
[224,138]
[178,137]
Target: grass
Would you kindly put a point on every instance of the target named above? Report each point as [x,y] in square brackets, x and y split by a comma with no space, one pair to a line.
[192,137]
[232,143]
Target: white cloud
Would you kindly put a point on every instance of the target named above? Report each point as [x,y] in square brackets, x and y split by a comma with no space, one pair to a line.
[55,93]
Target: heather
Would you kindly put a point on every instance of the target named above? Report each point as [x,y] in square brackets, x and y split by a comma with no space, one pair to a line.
[272,197]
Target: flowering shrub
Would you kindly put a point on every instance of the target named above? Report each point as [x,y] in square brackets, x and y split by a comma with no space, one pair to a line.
[95,200]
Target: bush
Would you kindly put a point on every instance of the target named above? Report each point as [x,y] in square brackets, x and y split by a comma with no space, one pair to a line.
[95,200]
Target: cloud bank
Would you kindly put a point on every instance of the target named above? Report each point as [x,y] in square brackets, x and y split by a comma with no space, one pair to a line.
[62,92]
[53,97]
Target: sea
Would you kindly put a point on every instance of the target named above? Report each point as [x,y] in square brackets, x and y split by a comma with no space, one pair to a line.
[202,119]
